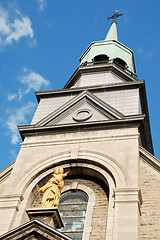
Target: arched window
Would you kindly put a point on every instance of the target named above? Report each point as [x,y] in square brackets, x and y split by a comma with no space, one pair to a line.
[101,58]
[120,62]
[72,207]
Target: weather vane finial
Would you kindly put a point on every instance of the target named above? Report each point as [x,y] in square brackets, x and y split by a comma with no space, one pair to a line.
[115,15]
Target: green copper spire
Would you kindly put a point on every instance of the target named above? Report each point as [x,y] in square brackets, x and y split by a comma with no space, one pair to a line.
[110,49]
[112,33]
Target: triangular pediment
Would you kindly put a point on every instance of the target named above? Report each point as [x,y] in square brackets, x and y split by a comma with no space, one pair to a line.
[85,107]
[34,230]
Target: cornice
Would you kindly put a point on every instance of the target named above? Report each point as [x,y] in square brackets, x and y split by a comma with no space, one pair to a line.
[90,68]
[31,130]
[108,87]
[149,158]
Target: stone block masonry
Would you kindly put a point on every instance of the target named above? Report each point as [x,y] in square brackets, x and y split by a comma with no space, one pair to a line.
[150,186]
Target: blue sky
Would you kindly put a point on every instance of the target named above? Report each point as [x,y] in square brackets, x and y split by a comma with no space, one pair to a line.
[40,45]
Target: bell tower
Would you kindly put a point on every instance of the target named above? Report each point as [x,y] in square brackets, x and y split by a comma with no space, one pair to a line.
[97,128]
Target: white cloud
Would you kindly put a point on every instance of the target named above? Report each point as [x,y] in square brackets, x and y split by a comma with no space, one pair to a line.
[42,4]
[16,118]
[20,28]
[11,96]
[4,26]
[33,80]
[22,93]
[14,29]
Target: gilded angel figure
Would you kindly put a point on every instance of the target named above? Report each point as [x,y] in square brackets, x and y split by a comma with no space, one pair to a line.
[52,189]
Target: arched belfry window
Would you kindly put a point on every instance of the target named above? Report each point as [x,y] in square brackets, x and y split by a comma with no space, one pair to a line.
[101,58]
[72,207]
[120,62]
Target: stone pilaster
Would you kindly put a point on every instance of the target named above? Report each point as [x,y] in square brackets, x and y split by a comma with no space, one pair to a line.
[127,203]
[9,205]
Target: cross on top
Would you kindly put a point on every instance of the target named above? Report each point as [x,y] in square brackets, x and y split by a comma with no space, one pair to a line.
[115,15]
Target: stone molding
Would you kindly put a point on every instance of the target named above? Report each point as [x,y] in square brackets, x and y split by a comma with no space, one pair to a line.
[29,229]
[11,201]
[149,158]
[34,130]
[127,213]
[110,67]
[120,176]
[124,85]
[128,195]
[79,140]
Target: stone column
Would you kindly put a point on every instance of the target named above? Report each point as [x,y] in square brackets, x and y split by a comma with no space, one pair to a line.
[127,203]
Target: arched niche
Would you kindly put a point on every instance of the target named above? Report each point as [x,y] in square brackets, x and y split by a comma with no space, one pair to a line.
[79,172]
[97,164]
[90,181]
[105,163]
[87,172]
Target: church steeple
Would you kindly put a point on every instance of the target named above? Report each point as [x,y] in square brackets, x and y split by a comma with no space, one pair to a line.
[110,50]
[112,33]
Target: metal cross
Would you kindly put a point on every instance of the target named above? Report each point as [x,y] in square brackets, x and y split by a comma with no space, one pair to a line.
[115,15]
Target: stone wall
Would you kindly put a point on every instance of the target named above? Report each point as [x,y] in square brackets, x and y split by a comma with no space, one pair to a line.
[95,79]
[150,186]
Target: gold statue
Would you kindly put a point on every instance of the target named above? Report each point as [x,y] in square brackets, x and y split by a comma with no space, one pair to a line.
[52,189]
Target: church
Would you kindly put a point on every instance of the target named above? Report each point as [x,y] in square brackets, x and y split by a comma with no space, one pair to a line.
[97,131]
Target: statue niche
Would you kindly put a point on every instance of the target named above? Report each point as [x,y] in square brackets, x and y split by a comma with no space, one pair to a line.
[52,189]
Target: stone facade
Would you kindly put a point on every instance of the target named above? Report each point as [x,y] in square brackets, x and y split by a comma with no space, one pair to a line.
[97,128]
[150,220]
[94,150]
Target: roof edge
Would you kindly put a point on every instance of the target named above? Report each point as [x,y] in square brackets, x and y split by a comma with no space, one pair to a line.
[40,94]
[149,158]
[6,172]
[103,41]
[39,223]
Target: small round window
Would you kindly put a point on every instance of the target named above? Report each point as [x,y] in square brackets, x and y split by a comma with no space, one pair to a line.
[72,207]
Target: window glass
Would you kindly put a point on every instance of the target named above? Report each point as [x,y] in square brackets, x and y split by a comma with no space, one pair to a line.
[72,207]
